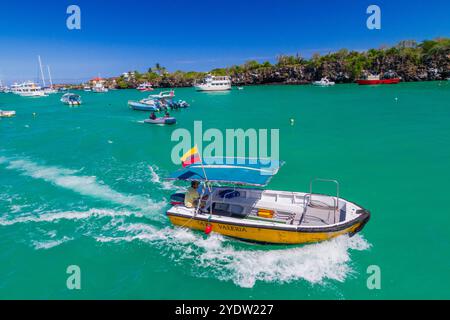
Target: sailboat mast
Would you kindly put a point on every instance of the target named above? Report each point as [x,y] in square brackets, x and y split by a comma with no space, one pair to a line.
[50,77]
[42,72]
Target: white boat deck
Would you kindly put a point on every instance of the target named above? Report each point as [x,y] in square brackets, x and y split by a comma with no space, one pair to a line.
[288,207]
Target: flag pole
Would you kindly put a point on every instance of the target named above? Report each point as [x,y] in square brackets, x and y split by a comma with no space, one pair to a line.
[203,168]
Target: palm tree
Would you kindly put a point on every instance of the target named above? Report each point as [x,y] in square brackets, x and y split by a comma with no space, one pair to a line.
[158,68]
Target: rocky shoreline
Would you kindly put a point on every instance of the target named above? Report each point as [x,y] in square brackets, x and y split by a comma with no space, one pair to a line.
[411,61]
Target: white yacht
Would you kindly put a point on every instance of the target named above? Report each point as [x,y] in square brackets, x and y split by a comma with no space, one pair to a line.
[29,89]
[15,88]
[215,83]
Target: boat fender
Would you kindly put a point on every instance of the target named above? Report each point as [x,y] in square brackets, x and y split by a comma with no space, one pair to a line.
[265,213]
[208,228]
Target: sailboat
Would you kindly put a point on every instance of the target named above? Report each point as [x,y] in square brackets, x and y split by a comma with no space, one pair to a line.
[47,90]
[50,89]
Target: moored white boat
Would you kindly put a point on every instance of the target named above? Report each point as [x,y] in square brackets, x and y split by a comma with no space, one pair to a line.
[258,215]
[214,83]
[143,105]
[71,99]
[163,95]
[29,89]
[99,88]
[161,120]
[146,86]
[324,82]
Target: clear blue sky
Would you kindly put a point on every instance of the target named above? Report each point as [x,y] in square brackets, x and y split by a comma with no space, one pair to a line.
[117,36]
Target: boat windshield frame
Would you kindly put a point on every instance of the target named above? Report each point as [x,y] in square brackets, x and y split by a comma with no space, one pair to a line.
[255,175]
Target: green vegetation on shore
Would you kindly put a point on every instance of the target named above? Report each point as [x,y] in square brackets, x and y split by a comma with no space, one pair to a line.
[412,61]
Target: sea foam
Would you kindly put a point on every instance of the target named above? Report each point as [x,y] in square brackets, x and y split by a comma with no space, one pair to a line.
[84,185]
[219,257]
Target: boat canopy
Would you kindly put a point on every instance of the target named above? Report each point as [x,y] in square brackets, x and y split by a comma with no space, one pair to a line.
[247,173]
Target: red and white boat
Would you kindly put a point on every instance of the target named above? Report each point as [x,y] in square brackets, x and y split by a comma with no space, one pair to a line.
[143,87]
[371,80]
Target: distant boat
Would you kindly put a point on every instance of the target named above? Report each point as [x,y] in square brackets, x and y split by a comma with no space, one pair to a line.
[163,95]
[99,88]
[146,86]
[71,99]
[139,106]
[29,89]
[375,79]
[324,82]
[87,88]
[47,90]
[7,114]
[162,120]
[3,89]
[50,89]
[240,88]
[214,83]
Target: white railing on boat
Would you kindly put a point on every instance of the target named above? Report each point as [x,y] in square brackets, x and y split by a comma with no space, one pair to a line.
[308,201]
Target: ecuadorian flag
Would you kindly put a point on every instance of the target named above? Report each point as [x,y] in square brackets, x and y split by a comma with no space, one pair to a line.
[190,157]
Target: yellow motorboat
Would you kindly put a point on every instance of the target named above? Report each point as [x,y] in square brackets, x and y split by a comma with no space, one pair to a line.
[238,207]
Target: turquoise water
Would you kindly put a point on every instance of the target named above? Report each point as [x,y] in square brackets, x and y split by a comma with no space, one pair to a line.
[84,186]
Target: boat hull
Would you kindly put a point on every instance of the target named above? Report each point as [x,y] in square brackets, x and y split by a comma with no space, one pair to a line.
[215,88]
[273,235]
[381,81]
[142,107]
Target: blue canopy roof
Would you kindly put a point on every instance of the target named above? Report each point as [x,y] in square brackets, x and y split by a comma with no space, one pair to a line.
[247,174]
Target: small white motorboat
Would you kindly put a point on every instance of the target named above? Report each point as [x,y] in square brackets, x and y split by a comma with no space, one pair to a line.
[324,82]
[143,105]
[7,114]
[161,120]
[163,95]
[71,99]
[146,86]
